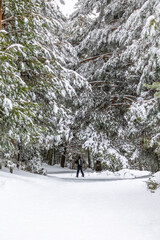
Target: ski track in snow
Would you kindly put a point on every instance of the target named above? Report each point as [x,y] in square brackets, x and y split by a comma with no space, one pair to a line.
[34,207]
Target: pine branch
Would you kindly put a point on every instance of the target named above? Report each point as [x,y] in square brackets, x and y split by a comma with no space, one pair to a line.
[15,31]
[96,82]
[104,56]
[119,104]
[113,29]
[12,18]
[129,98]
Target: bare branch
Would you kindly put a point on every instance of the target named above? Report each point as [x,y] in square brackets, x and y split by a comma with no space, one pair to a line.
[104,56]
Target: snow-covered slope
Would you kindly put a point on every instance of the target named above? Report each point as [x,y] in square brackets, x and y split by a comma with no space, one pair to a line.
[35,207]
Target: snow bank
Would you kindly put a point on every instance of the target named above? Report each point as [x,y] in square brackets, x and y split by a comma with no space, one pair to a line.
[156,177]
[38,207]
[153,183]
[105,175]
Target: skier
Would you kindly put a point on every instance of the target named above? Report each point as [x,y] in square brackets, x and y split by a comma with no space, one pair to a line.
[79,163]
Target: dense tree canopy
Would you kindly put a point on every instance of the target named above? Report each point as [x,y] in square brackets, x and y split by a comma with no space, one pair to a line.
[119,52]
[80,83]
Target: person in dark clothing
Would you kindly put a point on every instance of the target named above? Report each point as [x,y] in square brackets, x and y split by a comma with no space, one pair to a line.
[79,163]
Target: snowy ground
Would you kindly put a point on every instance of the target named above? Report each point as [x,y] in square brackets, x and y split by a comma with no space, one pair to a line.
[95,176]
[34,207]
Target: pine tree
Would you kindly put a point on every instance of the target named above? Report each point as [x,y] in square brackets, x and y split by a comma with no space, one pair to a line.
[68,85]
[18,111]
[37,88]
[117,55]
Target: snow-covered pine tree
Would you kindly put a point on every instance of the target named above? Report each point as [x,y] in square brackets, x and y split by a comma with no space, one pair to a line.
[18,111]
[36,95]
[45,104]
[63,118]
[118,55]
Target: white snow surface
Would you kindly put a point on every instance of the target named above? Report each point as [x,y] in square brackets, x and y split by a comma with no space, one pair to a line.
[36,207]
[156,178]
[56,171]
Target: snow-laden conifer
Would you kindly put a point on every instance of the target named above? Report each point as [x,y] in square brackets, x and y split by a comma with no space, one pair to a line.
[118,54]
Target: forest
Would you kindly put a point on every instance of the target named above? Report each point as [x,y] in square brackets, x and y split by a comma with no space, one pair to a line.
[85,84]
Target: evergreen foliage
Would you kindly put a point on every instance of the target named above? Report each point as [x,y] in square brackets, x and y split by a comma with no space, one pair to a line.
[119,53]
[36,86]
[80,84]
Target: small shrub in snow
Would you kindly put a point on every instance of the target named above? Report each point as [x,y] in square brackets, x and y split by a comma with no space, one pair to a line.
[152,185]
[113,163]
[9,164]
[35,166]
[154,182]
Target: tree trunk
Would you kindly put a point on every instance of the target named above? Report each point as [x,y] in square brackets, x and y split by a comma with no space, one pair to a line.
[19,160]
[50,156]
[63,157]
[0,14]
[89,158]
[44,154]
[54,156]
